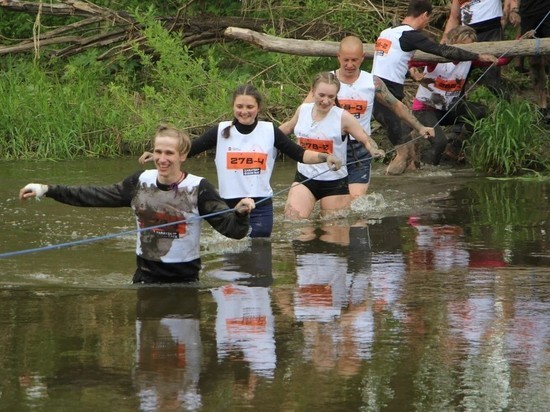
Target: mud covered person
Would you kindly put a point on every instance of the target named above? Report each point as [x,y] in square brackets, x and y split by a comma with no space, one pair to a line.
[166,194]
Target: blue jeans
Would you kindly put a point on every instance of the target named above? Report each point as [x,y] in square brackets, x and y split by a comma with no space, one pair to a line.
[261,220]
[359,170]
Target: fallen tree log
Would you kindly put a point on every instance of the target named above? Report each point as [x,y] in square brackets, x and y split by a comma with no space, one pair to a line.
[522,47]
[117,33]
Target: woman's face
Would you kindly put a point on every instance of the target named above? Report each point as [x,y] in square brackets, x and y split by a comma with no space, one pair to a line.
[324,96]
[245,109]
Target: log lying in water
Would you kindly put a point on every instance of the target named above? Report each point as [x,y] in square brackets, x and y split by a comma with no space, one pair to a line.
[523,47]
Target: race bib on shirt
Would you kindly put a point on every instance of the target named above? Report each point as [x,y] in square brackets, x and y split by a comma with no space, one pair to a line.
[246,160]
[356,107]
[382,46]
[317,145]
[448,85]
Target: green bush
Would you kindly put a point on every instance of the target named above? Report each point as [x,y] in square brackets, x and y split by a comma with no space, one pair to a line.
[509,141]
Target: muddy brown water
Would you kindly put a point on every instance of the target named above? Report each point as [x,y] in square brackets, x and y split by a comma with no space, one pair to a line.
[433,294]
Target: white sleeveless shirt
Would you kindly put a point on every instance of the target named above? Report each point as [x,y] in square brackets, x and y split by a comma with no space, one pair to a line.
[390,61]
[244,162]
[448,81]
[358,99]
[324,137]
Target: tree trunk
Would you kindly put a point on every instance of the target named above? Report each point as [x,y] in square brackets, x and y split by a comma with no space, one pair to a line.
[522,47]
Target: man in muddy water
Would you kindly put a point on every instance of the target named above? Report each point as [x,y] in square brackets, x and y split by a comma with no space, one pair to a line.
[393,50]
[358,91]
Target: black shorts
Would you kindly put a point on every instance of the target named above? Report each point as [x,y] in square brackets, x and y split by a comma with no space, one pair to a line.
[323,188]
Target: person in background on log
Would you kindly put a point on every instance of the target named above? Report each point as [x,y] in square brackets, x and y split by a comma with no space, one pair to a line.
[529,14]
[167,194]
[439,99]
[358,91]
[393,51]
[246,149]
[488,20]
[323,126]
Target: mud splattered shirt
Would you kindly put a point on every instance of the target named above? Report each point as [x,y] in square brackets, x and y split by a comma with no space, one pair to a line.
[170,253]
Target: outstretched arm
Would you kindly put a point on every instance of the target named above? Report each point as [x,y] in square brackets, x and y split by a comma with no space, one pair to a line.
[384,96]
[416,40]
[117,195]
[233,223]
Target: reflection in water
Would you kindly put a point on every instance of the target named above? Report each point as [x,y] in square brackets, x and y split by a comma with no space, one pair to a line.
[245,325]
[251,266]
[333,296]
[321,267]
[168,348]
[441,303]
[244,319]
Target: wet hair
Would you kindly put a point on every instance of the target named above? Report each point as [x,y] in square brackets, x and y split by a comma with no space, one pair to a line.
[243,90]
[327,78]
[418,7]
[460,34]
[184,142]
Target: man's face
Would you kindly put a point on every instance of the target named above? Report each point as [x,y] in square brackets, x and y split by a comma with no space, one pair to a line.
[350,60]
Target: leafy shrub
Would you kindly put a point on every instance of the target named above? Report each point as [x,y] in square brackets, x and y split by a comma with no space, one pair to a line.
[509,140]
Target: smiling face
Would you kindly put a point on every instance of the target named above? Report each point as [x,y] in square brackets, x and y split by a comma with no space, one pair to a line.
[168,159]
[324,96]
[245,109]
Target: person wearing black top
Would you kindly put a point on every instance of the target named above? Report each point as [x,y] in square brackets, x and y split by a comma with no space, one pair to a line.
[246,149]
[168,203]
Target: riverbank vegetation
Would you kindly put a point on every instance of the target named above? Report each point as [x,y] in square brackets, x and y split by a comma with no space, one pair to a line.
[62,105]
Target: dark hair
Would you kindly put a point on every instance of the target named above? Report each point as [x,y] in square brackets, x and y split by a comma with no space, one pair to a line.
[184,142]
[418,7]
[243,90]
